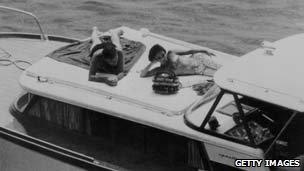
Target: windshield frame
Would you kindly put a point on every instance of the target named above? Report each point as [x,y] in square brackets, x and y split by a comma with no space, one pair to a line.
[201,128]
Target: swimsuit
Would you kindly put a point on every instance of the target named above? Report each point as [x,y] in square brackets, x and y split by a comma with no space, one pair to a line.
[196,64]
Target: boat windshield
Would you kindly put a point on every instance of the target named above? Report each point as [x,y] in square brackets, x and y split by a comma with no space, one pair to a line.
[253,122]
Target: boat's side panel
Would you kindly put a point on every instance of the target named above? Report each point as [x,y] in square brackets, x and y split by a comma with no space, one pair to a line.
[228,157]
[15,157]
[20,152]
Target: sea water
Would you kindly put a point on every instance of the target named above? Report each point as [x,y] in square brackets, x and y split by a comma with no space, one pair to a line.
[231,26]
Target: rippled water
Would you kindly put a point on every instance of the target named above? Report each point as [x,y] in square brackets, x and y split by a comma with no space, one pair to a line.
[232,26]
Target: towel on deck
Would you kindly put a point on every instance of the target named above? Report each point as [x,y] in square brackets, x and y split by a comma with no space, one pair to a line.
[78,53]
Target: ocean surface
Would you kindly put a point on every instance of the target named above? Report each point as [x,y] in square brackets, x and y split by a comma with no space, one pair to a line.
[231,26]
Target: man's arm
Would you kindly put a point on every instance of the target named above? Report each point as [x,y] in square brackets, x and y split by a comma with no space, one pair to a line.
[93,68]
[109,79]
[121,66]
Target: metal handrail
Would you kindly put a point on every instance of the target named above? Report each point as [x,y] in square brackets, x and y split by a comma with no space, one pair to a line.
[43,36]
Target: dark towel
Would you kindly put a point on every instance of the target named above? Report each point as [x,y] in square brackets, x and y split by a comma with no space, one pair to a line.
[78,53]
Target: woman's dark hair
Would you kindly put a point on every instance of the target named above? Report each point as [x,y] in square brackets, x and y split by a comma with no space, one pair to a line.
[154,50]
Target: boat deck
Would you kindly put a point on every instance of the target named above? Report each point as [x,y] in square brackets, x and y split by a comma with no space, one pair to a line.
[19,49]
[115,156]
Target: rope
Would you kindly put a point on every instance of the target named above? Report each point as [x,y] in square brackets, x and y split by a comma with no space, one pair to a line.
[6,61]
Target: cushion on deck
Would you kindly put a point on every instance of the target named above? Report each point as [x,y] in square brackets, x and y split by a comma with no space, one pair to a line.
[78,53]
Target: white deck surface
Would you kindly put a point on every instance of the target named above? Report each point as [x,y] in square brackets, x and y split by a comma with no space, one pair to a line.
[132,88]
[23,49]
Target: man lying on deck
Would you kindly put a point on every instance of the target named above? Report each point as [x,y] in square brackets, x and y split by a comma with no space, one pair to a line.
[199,63]
[107,62]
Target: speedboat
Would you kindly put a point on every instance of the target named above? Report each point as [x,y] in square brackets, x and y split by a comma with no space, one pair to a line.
[64,121]
[246,119]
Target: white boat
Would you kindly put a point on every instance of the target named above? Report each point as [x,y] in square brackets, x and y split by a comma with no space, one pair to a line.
[185,114]
[24,48]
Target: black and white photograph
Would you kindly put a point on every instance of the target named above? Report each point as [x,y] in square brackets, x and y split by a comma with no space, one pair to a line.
[164,85]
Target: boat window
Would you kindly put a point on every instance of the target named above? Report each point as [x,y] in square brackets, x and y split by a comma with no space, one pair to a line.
[265,122]
[260,124]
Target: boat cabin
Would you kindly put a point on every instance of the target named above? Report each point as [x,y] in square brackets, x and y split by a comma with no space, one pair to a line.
[261,102]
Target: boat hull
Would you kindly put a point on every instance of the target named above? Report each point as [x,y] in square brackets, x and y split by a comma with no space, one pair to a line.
[102,99]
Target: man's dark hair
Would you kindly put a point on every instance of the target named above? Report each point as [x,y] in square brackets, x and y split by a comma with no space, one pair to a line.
[109,50]
[154,50]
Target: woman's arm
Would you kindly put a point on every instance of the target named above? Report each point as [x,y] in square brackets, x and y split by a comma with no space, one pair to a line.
[146,71]
[121,75]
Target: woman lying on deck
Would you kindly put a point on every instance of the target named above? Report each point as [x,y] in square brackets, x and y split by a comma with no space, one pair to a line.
[107,62]
[199,63]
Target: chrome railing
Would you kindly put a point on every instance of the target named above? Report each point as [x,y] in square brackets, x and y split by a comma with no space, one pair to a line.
[42,34]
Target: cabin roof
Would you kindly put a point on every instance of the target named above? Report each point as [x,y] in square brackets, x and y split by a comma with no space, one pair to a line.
[272,73]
